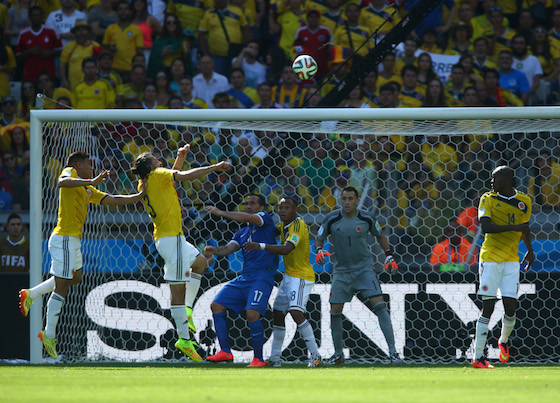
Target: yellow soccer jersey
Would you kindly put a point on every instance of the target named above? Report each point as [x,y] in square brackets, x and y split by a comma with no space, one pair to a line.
[233,19]
[358,35]
[162,203]
[373,19]
[127,40]
[99,95]
[297,261]
[189,12]
[72,55]
[503,246]
[293,98]
[73,205]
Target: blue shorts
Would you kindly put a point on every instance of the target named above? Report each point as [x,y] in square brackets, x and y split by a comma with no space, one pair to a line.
[241,294]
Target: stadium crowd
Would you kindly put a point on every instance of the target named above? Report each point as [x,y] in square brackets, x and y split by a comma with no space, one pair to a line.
[237,54]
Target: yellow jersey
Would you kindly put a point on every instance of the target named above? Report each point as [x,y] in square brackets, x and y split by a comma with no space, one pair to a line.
[296,263]
[72,55]
[189,12]
[503,246]
[233,19]
[162,203]
[98,95]
[127,40]
[73,205]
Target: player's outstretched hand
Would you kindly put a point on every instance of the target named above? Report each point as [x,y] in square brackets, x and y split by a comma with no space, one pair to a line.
[391,264]
[213,210]
[183,151]
[209,254]
[320,259]
[223,166]
[529,258]
[102,177]
[249,246]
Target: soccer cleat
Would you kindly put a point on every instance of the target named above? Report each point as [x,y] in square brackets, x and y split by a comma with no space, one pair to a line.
[336,359]
[504,351]
[273,362]
[315,360]
[481,363]
[220,356]
[50,344]
[256,363]
[25,302]
[396,359]
[192,328]
[189,348]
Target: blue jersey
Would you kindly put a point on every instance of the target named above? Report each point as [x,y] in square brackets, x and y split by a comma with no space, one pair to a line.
[258,264]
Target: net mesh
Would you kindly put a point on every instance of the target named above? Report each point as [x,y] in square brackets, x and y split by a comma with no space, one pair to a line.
[416,176]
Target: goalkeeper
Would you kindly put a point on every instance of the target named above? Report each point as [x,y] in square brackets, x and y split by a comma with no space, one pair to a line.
[353,268]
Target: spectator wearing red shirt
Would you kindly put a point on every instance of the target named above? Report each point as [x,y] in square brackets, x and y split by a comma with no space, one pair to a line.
[452,252]
[313,40]
[37,47]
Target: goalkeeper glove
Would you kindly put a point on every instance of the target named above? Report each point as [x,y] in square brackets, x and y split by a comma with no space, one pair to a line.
[390,263]
[320,258]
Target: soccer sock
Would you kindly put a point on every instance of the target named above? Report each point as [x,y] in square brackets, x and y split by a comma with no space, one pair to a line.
[179,315]
[220,325]
[481,335]
[192,289]
[508,322]
[42,288]
[278,334]
[306,332]
[336,330]
[54,306]
[380,309]
[257,338]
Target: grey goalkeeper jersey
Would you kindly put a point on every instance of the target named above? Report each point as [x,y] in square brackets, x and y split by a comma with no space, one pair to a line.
[349,236]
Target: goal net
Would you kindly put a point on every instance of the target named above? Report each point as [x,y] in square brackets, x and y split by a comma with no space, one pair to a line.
[420,171]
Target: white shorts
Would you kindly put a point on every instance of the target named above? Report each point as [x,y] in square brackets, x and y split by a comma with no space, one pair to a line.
[66,256]
[503,276]
[293,294]
[178,255]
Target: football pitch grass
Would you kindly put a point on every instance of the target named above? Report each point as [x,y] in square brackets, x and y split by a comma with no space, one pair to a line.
[294,383]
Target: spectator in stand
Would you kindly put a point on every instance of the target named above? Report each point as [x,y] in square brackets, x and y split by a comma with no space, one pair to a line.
[363,173]
[64,19]
[288,93]
[208,82]
[470,97]
[17,18]
[245,96]
[513,80]
[500,37]
[149,98]
[370,88]
[148,24]
[285,24]
[554,37]
[264,91]
[434,21]
[497,94]
[8,66]
[14,249]
[28,98]
[435,95]
[100,17]
[189,13]
[466,16]
[164,93]
[455,87]
[379,14]
[471,76]
[333,17]
[482,23]
[123,39]
[544,184]
[528,65]
[19,142]
[20,185]
[189,100]
[451,253]
[314,40]
[526,25]
[93,92]
[221,33]
[254,71]
[425,70]
[9,112]
[169,45]
[106,71]
[460,43]
[409,55]
[178,70]
[10,167]
[540,47]
[481,59]
[483,96]
[388,73]
[275,61]
[135,87]
[411,96]
[37,47]
[75,52]
[354,34]
[45,87]
[429,42]
[355,99]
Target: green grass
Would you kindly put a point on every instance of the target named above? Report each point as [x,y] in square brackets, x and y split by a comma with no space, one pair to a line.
[233,383]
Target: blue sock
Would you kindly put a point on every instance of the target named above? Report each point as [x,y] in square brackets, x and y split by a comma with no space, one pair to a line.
[257,338]
[220,325]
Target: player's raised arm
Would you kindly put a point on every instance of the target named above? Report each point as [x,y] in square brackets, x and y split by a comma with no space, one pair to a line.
[119,200]
[238,216]
[70,182]
[275,249]
[197,173]
[223,250]
[181,155]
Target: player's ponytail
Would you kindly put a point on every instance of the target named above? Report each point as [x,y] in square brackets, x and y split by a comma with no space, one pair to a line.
[142,165]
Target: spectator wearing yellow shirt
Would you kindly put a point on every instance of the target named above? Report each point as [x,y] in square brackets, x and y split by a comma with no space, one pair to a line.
[440,158]
[189,12]
[135,87]
[245,96]
[378,14]
[221,33]
[481,58]
[189,101]
[333,17]
[388,74]
[410,96]
[460,43]
[455,87]
[149,97]
[353,34]
[45,87]
[75,52]
[106,69]
[409,56]
[9,112]
[500,37]
[286,24]
[429,42]
[7,66]
[123,38]
[93,92]
[288,93]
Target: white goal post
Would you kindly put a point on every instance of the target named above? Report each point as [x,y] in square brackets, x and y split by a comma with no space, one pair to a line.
[355,123]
